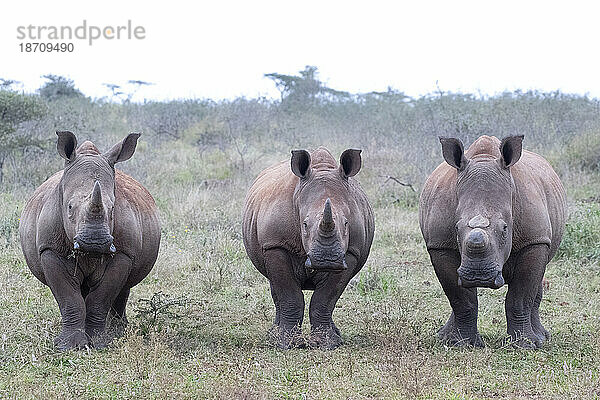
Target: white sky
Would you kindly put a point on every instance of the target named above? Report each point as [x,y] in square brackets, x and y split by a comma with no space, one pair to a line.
[221,49]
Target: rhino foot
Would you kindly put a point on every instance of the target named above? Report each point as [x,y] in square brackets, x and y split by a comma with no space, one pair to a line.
[531,341]
[72,340]
[452,336]
[286,338]
[325,338]
[542,333]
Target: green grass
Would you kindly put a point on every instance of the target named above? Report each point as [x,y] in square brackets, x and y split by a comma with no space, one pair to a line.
[208,338]
[211,341]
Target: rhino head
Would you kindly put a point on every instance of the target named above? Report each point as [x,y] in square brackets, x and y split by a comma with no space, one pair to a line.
[322,203]
[87,191]
[484,218]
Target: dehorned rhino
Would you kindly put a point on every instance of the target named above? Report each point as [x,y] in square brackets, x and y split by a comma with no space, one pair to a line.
[308,227]
[90,233]
[492,215]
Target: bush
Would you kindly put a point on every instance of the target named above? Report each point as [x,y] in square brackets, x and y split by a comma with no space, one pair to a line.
[59,87]
[582,233]
[583,151]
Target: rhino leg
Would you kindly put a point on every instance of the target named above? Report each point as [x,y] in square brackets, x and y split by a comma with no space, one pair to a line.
[536,324]
[324,334]
[117,319]
[118,307]
[288,298]
[64,281]
[524,297]
[461,328]
[102,296]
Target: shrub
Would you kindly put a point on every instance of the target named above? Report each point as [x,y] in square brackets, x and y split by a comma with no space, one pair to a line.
[582,233]
[583,151]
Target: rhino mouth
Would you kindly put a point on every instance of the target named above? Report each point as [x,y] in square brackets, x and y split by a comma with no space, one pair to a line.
[490,276]
[94,245]
[313,264]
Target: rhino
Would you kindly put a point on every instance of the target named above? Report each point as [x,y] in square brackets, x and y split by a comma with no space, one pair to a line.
[492,215]
[90,232]
[308,227]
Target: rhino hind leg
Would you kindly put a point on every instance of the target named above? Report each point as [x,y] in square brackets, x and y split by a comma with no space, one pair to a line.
[117,318]
[461,327]
[524,297]
[288,298]
[536,324]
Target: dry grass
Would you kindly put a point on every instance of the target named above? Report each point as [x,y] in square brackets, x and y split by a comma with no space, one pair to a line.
[209,339]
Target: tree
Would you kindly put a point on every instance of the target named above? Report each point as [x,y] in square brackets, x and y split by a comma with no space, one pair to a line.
[5,84]
[58,87]
[123,94]
[16,108]
[304,89]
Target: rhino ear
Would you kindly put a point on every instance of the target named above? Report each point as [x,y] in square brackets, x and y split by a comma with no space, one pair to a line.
[66,145]
[453,152]
[350,162]
[511,149]
[123,150]
[300,163]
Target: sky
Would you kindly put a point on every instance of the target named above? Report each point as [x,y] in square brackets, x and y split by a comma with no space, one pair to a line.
[222,49]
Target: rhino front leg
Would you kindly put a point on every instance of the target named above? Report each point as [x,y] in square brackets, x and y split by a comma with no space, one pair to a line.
[102,296]
[324,334]
[288,298]
[524,297]
[64,280]
[461,328]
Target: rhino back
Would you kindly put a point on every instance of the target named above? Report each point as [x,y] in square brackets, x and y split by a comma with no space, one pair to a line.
[269,220]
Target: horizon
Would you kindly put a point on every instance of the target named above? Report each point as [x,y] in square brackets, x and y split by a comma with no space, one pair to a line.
[137,97]
[222,51]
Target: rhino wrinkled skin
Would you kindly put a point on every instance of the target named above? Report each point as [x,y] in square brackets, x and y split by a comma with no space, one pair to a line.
[90,233]
[308,227]
[492,215]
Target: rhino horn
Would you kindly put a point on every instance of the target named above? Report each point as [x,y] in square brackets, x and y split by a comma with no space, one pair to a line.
[96,200]
[327,224]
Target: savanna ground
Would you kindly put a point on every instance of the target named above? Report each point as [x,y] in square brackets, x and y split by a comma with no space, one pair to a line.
[198,323]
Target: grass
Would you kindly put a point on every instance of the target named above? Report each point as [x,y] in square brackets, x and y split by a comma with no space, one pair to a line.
[209,339]
[199,321]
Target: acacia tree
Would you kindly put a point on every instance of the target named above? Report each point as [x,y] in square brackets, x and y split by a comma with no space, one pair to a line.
[58,87]
[304,89]
[16,108]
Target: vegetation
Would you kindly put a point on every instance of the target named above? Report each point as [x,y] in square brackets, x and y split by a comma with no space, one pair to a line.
[198,323]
